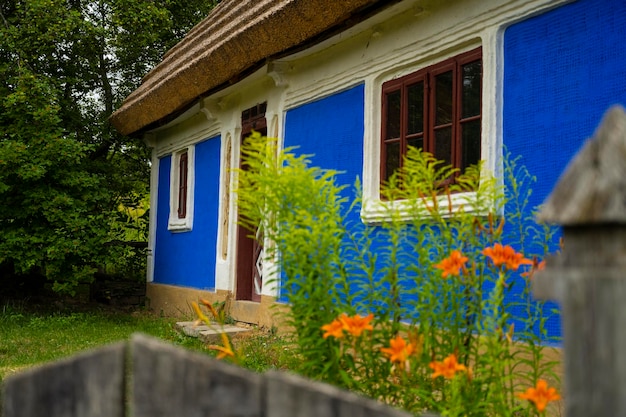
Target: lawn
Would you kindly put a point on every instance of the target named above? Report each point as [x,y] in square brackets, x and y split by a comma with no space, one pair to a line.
[31,335]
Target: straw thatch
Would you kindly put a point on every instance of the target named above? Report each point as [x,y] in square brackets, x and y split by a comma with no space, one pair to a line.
[236,38]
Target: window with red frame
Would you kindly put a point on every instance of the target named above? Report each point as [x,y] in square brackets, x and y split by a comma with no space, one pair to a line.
[183,168]
[437,109]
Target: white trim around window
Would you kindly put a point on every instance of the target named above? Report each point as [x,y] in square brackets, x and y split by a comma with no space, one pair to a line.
[184,222]
[374,209]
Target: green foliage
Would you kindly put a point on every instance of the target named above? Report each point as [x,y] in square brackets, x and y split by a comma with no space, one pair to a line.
[53,205]
[33,334]
[332,272]
[65,65]
[299,208]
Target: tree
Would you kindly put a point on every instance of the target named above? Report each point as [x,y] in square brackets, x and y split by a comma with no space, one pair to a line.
[65,65]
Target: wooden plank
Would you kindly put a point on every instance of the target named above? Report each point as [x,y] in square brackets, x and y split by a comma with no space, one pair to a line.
[594,341]
[593,316]
[87,385]
[169,381]
[289,395]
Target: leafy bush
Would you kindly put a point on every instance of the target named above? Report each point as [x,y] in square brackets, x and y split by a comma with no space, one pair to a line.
[418,310]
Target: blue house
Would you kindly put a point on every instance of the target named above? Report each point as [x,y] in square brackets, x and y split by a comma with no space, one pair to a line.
[354,82]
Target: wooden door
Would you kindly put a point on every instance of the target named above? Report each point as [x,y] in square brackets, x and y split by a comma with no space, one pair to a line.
[249,278]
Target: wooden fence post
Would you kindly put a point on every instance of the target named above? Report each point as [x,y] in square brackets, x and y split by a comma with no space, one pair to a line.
[588,278]
[150,378]
[289,395]
[170,381]
[87,385]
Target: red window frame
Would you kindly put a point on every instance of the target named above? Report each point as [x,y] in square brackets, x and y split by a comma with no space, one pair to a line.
[183,174]
[399,130]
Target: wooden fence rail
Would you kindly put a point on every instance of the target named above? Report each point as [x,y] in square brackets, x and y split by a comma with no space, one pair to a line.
[149,378]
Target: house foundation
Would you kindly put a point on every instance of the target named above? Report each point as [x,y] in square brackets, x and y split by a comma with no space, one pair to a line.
[174,301]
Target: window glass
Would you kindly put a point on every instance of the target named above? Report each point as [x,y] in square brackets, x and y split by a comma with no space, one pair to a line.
[393,115]
[438,109]
[443,145]
[470,144]
[471,89]
[416,142]
[416,108]
[182,185]
[443,94]
[392,159]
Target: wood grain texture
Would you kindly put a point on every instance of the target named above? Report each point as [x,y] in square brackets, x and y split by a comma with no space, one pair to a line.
[290,395]
[170,381]
[88,385]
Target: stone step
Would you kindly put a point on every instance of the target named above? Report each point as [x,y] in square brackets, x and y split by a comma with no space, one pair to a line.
[208,334]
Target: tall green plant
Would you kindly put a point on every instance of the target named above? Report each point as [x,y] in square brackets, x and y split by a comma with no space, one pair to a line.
[298,210]
[437,281]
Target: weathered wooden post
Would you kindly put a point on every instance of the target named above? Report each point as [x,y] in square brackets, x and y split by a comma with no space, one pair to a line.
[588,278]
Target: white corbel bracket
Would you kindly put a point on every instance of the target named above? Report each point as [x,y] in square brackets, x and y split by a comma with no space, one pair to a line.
[150,139]
[278,70]
[210,108]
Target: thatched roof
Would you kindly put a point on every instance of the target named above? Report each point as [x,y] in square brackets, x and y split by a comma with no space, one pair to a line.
[235,39]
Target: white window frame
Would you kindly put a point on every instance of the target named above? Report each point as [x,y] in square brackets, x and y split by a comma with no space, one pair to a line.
[375,210]
[176,224]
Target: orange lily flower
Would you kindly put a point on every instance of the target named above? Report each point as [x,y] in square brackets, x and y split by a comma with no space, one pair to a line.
[541,395]
[399,350]
[453,264]
[225,351]
[334,329]
[357,324]
[447,368]
[506,255]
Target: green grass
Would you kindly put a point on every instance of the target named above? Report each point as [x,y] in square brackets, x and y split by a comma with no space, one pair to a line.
[32,335]
[261,351]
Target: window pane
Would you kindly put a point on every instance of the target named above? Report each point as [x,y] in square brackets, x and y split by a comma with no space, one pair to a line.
[443,145]
[443,98]
[470,147]
[392,161]
[416,108]
[182,185]
[417,142]
[471,89]
[393,115]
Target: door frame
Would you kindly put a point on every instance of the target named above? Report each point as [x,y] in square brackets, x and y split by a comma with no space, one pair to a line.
[249,274]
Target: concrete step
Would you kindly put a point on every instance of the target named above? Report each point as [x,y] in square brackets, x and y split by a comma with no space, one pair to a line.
[208,334]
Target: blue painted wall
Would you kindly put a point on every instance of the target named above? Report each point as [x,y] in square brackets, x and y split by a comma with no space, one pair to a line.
[188,258]
[562,70]
[331,129]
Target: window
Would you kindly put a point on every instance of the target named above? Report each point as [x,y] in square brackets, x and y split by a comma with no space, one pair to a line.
[437,109]
[183,166]
[181,190]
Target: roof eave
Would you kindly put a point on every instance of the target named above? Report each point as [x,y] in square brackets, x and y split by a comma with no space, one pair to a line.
[208,60]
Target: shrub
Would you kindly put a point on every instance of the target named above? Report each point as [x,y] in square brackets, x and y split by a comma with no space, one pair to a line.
[428,310]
